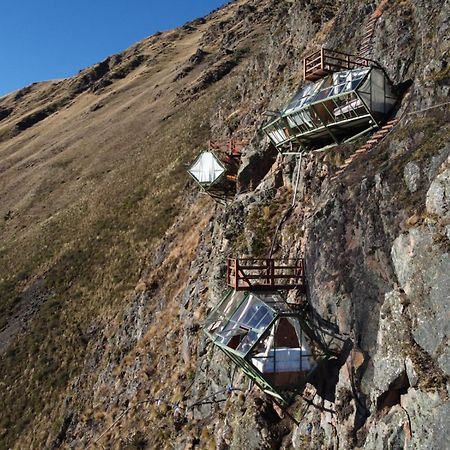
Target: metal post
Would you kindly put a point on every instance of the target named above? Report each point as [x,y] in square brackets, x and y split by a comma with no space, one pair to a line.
[272,272]
[236,268]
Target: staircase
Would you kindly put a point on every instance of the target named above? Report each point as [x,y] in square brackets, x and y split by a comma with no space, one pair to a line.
[369,145]
[366,48]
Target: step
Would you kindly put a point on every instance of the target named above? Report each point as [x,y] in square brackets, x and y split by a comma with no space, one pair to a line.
[381,133]
[362,150]
[393,122]
[349,160]
[373,141]
[379,136]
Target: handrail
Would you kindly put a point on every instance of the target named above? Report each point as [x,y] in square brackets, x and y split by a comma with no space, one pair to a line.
[326,61]
[265,274]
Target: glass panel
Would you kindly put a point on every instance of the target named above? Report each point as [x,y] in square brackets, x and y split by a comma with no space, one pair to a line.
[377,79]
[278,136]
[303,97]
[301,117]
[248,342]
[251,312]
[339,82]
[348,106]
[377,93]
[284,351]
[342,82]
[275,301]
[364,92]
[246,323]
[278,132]
[223,312]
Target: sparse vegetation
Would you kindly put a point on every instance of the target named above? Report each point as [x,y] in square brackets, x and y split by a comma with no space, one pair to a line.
[260,225]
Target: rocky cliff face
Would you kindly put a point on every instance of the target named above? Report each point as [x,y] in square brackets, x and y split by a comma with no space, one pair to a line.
[103,347]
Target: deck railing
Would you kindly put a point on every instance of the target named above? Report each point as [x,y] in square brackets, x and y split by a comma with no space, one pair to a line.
[265,274]
[324,62]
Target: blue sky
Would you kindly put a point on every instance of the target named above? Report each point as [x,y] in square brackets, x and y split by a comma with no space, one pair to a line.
[48,39]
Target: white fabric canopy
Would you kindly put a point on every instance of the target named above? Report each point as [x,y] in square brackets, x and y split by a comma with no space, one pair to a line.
[206,168]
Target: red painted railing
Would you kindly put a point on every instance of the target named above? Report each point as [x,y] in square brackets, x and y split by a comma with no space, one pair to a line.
[324,62]
[265,274]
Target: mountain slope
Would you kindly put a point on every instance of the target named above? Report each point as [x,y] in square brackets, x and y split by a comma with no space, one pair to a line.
[110,259]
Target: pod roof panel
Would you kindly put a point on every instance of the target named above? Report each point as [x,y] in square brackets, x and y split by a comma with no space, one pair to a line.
[207,168]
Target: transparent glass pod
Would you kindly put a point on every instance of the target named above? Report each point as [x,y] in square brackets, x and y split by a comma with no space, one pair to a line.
[334,109]
[267,338]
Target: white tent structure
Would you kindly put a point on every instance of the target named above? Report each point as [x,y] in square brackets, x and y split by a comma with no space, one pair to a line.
[207,169]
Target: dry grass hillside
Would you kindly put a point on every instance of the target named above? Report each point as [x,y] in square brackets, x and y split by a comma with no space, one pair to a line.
[92,175]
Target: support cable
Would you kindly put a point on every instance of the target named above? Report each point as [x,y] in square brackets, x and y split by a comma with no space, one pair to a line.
[204,401]
[229,389]
[158,401]
[291,208]
[427,109]
[175,406]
